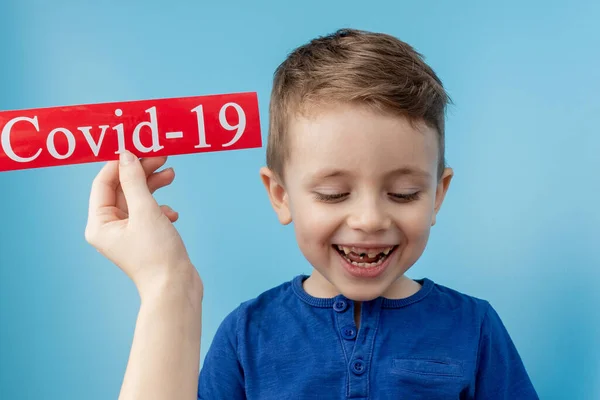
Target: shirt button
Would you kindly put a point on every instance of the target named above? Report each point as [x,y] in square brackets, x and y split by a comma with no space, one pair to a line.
[348,333]
[358,367]
[340,305]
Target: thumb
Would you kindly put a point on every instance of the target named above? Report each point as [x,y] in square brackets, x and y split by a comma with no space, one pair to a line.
[134,185]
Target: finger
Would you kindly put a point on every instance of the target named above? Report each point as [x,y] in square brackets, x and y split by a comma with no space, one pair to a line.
[170,213]
[152,164]
[149,165]
[120,214]
[155,181]
[133,183]
[108,214]
[160,179]
[103,192]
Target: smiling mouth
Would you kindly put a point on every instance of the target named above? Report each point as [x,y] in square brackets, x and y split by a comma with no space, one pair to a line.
[365,258]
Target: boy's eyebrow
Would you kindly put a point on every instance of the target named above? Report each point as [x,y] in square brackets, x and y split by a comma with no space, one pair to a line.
[331,173]
[334,173]
[410,171]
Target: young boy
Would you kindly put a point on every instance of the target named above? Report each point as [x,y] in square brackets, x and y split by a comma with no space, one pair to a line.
[355,159]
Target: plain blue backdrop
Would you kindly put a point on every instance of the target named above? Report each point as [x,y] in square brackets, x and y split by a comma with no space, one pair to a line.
[519,227]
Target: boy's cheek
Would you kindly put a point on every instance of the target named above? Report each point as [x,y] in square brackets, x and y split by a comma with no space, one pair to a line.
[317,221]
[305,208]
[415,222]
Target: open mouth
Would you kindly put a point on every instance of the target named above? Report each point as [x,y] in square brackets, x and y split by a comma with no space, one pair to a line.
[365,258]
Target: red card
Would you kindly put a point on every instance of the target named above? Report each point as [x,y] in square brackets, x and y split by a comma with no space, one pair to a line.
[47,137]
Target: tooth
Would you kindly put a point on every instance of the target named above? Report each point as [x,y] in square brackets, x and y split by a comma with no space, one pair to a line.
[387,251]
[362,265]
[371,255]
[346,250]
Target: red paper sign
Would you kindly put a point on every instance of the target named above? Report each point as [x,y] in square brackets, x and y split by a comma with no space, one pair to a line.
[47,137]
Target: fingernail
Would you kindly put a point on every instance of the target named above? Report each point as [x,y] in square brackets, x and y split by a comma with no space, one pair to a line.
[126,157]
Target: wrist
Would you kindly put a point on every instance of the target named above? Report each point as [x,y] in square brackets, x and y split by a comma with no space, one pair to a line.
[177,283]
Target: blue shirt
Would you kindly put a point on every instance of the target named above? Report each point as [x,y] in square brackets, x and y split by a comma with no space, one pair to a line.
[436,344]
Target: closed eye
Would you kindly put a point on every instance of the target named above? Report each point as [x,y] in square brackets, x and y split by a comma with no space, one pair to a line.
[400,197]
[405,197]
[330,197]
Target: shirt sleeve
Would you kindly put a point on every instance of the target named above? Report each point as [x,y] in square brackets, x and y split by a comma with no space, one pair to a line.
[221,377]
[501,374]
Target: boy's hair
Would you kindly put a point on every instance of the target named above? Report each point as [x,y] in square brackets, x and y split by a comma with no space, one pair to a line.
[353,66]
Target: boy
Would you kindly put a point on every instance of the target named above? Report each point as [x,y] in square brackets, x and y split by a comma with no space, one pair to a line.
[355,159]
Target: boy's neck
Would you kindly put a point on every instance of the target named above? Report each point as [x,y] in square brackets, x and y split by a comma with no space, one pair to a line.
[318,286]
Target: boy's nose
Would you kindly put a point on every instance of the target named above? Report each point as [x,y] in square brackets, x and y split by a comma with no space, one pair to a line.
[369,217]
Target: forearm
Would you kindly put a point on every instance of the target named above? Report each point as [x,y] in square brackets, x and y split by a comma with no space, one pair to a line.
[164,358]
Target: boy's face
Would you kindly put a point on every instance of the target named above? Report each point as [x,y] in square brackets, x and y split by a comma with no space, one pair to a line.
[362,191]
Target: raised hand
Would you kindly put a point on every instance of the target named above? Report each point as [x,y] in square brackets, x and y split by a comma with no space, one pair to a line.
[128,227]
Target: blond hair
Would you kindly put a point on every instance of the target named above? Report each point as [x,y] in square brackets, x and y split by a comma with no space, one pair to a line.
[353,66]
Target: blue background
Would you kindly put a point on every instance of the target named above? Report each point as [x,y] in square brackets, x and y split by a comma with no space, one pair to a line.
[519,227]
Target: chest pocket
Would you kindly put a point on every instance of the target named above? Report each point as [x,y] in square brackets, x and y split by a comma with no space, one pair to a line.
[429,379]
[427,367]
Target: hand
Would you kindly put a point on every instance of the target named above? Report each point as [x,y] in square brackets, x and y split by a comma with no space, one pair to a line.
[127,226]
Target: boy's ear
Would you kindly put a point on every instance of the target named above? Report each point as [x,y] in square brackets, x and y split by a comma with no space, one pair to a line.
[277,195]
[441,190]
